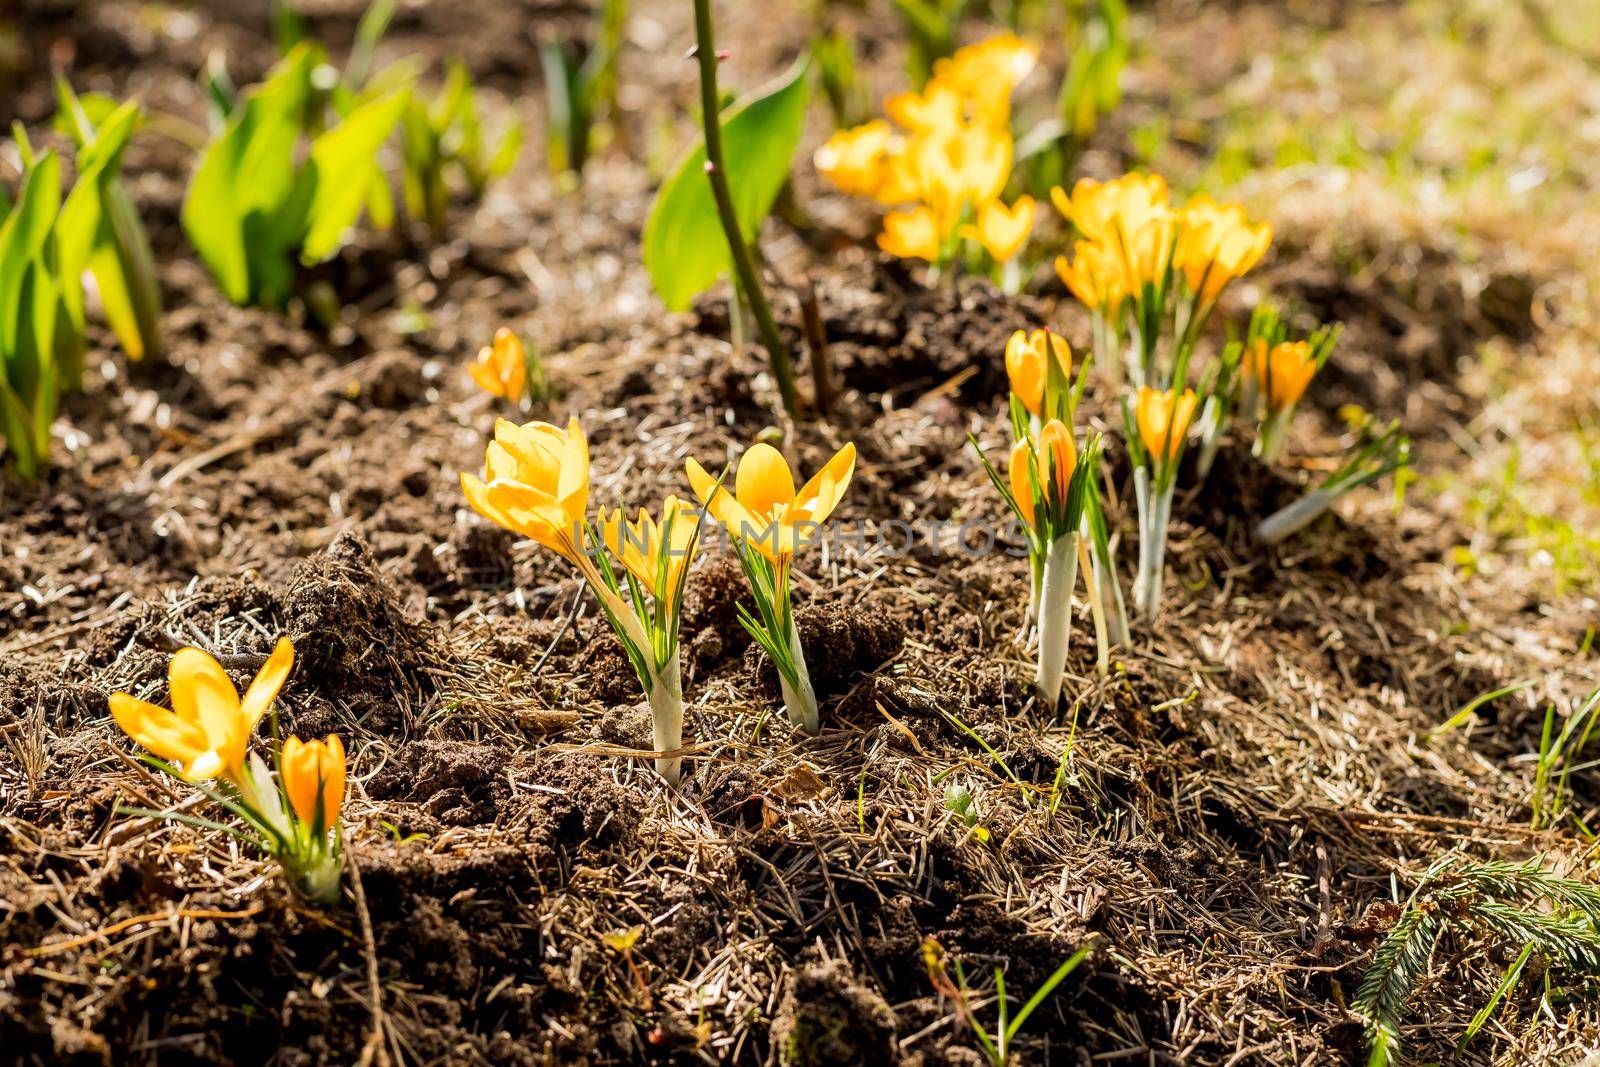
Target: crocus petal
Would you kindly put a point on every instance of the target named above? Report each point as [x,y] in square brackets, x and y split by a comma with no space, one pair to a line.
[573,484]
[763,481]
[333,781]
[202,693]
[486,378]
[822,493]
[721,504]
[297,763]
[1021,484]
[1059,450]
[268,680]
[158,730]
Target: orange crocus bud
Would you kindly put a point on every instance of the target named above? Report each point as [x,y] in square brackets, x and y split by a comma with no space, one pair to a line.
[1163,420]
[313,778]
[1282,372]
[1026,367]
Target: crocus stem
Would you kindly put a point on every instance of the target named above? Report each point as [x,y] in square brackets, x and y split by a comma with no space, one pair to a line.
[318,877]
[800,700]
[1270,441]
[738,251]
[1155,509]
[1211,427]
[1055,615]
[1097,610]
[1011,277]
[1296,516]
[666,719]
[1110,590]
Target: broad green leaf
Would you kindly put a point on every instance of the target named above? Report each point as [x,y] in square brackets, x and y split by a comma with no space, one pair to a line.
[684,247]
[124,271]
[341,169]
[16,426]
[248,172]
[81,222]
[22,241]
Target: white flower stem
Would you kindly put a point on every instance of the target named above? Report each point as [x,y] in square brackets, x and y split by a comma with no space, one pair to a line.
[1274,428]
[1210,437]
[318,878]
[666,719]
[1116,609]
[1055,615]
[801,700]
[1011,277]
[1155,511]
[1097,609]
[1296,516]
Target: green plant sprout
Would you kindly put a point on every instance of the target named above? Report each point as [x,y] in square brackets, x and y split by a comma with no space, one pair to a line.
[257,213]
[996,1047]
[100,232]
[445,135]
[834,53]
[1560,749]
[34,323]
[1373,456]
[581,90]
[931,33]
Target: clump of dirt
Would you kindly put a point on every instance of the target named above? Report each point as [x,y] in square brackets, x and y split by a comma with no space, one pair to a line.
[856,640]
[711,613]
[457,784]
[890,336]
[353,639]
[829,1016]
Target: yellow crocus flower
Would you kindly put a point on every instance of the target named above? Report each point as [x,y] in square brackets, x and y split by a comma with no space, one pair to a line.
[983,159]
[1217,243]
[1026,367]
[209,728]
[764,511]
[1282,372]
[537,484]
[1163,419]
[1103,210]
[1001,230]
[313,779]
[937,107]
[987,73]
[1094,275]
[912,234]
[640,544]
[501,369]
[854,160]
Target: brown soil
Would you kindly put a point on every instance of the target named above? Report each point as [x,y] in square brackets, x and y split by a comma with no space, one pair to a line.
[1238,791]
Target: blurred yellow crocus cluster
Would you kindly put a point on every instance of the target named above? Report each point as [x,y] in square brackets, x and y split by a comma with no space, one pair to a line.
[1160,267]
[944,163]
